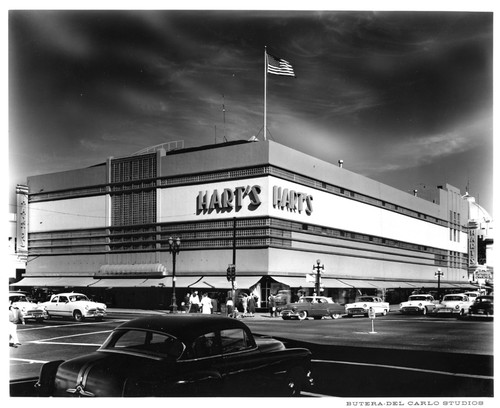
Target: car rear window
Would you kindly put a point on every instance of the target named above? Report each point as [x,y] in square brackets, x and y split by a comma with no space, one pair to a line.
[143,342]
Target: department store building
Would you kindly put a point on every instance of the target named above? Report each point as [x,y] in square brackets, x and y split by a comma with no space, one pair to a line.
[270,210]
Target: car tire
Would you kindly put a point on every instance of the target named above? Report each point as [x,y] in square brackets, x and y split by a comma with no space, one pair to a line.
[302,315]
[334,316]
[78,316]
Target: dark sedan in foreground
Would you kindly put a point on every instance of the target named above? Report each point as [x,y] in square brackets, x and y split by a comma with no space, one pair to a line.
[181,355]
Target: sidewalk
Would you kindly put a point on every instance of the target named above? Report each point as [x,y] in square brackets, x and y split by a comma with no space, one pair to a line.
[149,312]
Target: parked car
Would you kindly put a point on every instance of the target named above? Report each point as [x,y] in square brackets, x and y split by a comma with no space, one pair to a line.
[363,304]
[453,304]
[421,304]
[312,306]
[29,310]
[482,306]
[74,305]
[474,294]
[181,355]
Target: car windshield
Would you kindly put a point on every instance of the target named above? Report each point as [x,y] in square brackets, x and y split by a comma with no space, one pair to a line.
[75,298]
[18,298]
[453,298]
[305,300]
[418,298]
[367,299]
[143,342]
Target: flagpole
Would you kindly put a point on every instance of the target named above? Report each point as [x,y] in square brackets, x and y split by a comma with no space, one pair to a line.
[265,92]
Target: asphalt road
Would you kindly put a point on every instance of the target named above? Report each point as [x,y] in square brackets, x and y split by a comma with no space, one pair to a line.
[399,356]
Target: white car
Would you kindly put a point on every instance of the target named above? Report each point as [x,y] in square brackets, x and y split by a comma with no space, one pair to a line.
[29,310]
[74,305]
[421,304]
[363,304]
[456,303]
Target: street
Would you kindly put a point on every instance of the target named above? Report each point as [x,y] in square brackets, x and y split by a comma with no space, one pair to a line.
[397,356]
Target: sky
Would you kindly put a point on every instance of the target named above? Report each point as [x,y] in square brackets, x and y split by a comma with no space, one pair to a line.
[402,97]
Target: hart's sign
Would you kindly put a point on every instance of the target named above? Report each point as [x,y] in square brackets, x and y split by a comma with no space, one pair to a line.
[233,199]
[228,199]
[291,200]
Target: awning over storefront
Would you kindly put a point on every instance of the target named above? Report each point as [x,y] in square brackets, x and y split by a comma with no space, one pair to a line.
[166,282]
[294,281]
[212,282]
[53,281]
[392,284]
[358,283]
[246,282]
[36,281]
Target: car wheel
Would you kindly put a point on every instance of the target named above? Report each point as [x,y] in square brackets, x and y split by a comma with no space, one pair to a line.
[302,315]
[334,315]
[77,315]
[295,381]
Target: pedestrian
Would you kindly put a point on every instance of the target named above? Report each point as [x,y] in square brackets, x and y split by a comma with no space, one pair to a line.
[194,303]
[244,302]
[230,306]
[206,304]
[15,317]
[251,305]
[272,304]
[187,303]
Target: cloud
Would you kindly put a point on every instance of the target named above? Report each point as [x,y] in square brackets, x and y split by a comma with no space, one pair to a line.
[426,149]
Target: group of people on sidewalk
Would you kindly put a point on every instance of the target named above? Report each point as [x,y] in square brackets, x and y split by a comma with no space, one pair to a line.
[194,304]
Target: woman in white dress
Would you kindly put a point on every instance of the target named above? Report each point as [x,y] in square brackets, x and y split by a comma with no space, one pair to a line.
[206,304]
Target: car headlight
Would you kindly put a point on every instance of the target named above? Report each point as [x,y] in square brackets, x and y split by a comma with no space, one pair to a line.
[400,305]
[86,307]
[457,307]
[365,306]
[420,305]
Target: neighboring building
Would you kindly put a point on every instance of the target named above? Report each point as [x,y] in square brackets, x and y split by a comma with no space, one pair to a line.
[17,249]
[480,241]
[270,210]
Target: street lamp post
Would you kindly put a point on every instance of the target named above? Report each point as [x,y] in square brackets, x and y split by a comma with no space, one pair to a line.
[174,248]
[438,273]
[318,268]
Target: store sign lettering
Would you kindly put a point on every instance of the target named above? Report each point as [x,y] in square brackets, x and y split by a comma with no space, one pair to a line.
[291,200]
[228,199]
[472,247]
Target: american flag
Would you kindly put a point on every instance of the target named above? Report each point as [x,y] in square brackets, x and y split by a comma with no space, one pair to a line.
[278,66]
